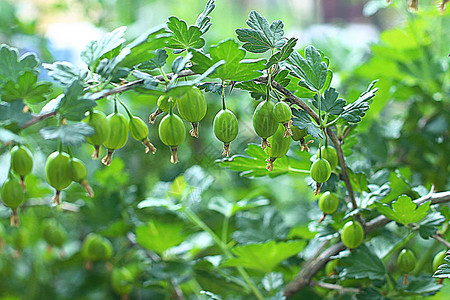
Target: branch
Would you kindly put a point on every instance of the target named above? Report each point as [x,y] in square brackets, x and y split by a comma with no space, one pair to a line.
[314,265]
[441,240]
[117,90]
[337,144]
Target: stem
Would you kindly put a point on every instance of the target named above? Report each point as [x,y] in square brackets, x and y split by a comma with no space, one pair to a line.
[163,74]
[332,122]
[130,115]
[223,97]
[197,221]
[226,222]
[299,171]
[441,240]
[70,151]
[400,244]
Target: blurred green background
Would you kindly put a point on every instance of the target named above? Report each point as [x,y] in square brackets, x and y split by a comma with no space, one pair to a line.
[405,129]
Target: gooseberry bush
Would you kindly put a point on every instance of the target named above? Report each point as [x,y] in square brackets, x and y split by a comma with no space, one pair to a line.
[182,242]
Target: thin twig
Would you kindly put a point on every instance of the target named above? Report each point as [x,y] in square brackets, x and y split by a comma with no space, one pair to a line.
[441,240]
[38,118]
[312,266]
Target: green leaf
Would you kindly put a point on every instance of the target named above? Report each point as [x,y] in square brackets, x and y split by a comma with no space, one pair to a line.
[143,48]
[156,62]
[330,103]
[95,50]
[71,105]
[12,113]
[312,69]
[282,54]
[11,66]
[261,36]
[421,285]
[228,209]
[179,63]
[184,37]
[235,67]
[64,72]
[430,224]
[26,88]
[7,136]
[71,135]
[159,236]
[355,111]
[263,257]
[302,120]
[254,165]
[203,19]
[257,90]
[404,210]
[444,270]
[363,263]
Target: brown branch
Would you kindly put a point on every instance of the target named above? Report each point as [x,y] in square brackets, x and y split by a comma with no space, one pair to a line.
[38,118]
[312,266]
[441,240]
[337,144]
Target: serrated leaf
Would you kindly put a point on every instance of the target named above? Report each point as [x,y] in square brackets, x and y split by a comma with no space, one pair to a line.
[404,210]
[363,263]
[11,66]
[263,257]
[203,19]
[302,120]
[159,236]
[430,224]
[421,285]
[282,54]
[143,47]
[7,136]
[12,113]
[353,112]
[443,270]
[96,49]
[330,102]
[257,90]
[184,37]
[72,105]
[261,36]
[71,135]
[235,67]
[64,72]
[311,69]
[254,165]
[26,88]
[211,87]
[156,62]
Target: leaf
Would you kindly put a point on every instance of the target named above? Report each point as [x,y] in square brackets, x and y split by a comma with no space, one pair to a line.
[143,47]
[228,209]
[263,257]
[12,113]
[184,37]
[404,210]
[421,285]
[444,270]
[362,263]
[430,224]
[330,103]
[203,19]
[261,36]
[302,120]
[252,228]
[156,62]
[257,91]
[26,88]
[355,111]
[282,54]
[211,87]
[235,67]
[71,106]
[64,72]
[7,136]
[179,63]
[254,165]
[96,49]
[71,135]
[311,70]
[11,66]
[159,236]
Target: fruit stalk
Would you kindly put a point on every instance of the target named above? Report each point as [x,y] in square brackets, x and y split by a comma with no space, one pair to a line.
[14,220]
[149,145]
